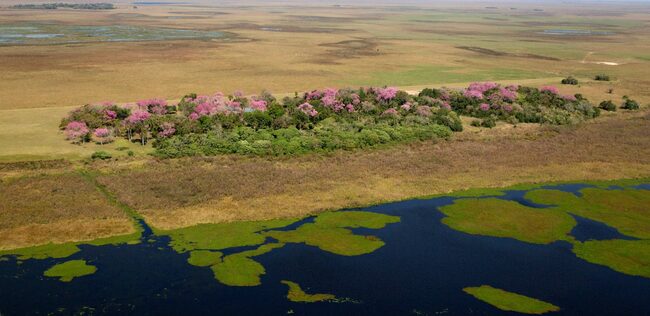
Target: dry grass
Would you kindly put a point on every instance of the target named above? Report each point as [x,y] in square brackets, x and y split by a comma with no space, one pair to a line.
[56,208]
[177,193]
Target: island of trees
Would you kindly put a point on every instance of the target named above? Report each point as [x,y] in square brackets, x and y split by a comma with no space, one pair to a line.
[318,120]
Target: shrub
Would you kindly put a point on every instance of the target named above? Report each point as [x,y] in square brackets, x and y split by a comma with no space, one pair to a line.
[489,122]
[130,153]
[607,105]
[570,80]
[601,77]
[101,155]
[629,104]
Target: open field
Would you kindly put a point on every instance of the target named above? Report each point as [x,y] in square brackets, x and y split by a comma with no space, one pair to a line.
[284,47]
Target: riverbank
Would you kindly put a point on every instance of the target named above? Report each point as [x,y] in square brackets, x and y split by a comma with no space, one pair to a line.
[178,193]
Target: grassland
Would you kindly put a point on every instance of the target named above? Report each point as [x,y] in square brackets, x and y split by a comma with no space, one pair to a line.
[56,208]
[287,47]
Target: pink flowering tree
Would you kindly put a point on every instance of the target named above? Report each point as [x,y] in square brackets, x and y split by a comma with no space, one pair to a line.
[550,89]
[102,135]
[155,106]
[77,132]
[137,122]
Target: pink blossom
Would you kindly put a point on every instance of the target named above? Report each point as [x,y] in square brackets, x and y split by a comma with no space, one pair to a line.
[205,108]
[482,87]
[76,130]
[445,105]
[569,98]
[314,95]
[512,87]
[349,107]
[111,115]
[355,99]
[473,94]
[423,110]
[386,94]
[550,89]
[194,116]
[308,109]
[507,108]
[484,107]
[329,100]
[508,94]
[138,116]
[259,105]
[168,129]
[102,132]
[406,106]
[390,112]
[155,106]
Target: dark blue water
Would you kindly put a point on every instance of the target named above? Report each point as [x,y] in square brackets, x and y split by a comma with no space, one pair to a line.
[421,269]
[588,229]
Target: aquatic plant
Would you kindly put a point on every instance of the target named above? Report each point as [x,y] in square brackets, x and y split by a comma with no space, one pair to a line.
[330,232]
[501,218]
[626,256]
[70,269]
[296,294]
[508,301]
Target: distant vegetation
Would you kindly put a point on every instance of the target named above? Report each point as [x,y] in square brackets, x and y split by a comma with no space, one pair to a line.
[601,77]
[319,120]
[54,6]
[570,80]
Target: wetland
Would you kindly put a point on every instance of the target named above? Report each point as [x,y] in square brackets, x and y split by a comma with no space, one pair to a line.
[521,250]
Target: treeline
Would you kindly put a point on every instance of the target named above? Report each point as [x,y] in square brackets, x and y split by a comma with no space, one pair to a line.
[318,120]
[54,6]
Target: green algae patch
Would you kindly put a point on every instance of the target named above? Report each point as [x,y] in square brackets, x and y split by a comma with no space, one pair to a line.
[501,218]
[626,210]
[508,301]
[222,236]
[626,256]
[329,232]
[204,258]
[70,269]
[44,251]
[296,294]
[355,219]
[339,241]
[240,270]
